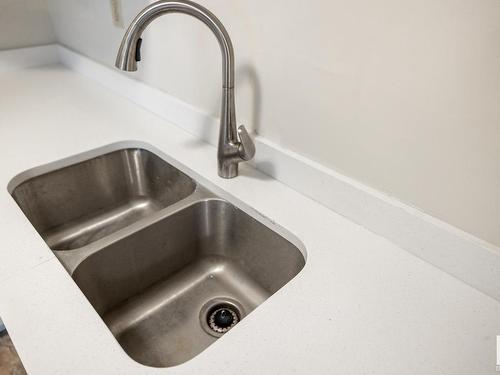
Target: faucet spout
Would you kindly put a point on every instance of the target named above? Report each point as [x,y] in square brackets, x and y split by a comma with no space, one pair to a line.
[230,151]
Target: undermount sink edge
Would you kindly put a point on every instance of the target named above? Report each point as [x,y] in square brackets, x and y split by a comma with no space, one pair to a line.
[157,280]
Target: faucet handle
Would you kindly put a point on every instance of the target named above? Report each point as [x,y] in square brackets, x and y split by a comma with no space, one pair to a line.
[246,148]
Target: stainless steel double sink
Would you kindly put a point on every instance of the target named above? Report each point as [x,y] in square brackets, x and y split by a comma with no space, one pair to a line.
[168,265]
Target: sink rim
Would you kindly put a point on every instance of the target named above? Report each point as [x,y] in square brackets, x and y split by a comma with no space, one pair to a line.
[72,259]
[86,155]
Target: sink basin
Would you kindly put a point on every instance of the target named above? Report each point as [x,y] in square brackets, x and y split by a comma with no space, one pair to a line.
[151,287]
[169,266]
[76,205]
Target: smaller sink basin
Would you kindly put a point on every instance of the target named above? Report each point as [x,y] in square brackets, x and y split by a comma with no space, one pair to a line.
[157,288]
[76,205]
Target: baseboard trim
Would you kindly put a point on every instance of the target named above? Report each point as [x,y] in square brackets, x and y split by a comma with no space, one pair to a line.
[23,58]
[460,254]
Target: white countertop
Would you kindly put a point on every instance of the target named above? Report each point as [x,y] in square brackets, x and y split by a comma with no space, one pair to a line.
[361,305]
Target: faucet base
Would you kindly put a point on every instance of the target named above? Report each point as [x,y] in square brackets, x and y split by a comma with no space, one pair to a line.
[228,170]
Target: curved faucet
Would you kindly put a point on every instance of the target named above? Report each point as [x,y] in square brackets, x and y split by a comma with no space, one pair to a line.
[231,150]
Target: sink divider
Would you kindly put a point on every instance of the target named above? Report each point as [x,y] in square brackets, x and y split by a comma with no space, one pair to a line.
[71,259]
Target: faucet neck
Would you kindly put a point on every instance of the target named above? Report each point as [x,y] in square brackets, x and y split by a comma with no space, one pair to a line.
[126,56]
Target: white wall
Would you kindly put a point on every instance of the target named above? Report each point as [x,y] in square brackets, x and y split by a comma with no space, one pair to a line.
[25,23]
[401,95]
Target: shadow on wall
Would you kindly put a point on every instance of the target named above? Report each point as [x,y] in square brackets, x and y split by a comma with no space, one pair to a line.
[247,80]
[246,76]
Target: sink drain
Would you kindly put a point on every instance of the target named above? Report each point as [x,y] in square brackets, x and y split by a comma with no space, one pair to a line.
[220,315]
[223,319]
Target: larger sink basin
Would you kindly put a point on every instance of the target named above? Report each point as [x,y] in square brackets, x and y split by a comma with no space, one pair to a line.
[169,266]
[151,287]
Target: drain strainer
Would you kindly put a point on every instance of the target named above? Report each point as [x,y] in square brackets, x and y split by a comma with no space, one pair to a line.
[220,315]
[223,319]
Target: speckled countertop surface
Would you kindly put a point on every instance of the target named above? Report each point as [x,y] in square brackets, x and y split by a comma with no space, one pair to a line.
[360,306]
